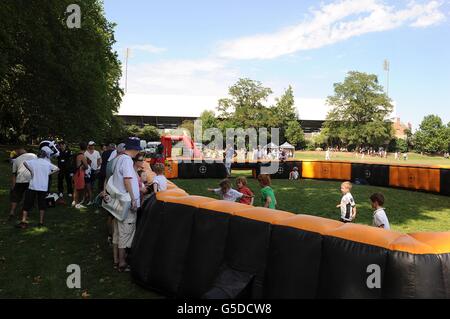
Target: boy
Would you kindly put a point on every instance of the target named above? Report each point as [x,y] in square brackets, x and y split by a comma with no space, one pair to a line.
[159,181]
[347,205]
[226,192]
[294,175]
[379,215]
[40,170]
[241,183]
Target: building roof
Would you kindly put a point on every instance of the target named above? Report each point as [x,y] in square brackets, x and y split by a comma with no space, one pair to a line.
[193,106]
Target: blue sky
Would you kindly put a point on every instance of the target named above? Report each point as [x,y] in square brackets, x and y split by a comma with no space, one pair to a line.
[202,47]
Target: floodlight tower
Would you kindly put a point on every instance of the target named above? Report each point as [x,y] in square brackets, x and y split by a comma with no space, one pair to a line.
[386,67]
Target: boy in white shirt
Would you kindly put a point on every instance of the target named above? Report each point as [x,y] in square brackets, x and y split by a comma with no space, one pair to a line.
[294,174]
[40,170]
[159,181]
[347,205]
[379,215]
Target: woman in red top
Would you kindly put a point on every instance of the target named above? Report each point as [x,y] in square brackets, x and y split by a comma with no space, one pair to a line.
[241,184]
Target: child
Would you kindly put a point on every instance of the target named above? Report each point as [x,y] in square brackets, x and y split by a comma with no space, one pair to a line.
[241,183]
[379,215]
[294,175]
[40,170]
[226,192]
[268,199]
[160,181]
[347,205]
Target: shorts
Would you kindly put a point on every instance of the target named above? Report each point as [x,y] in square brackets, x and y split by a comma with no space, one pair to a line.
[18,191]
[91,178]
[78,180]
[30,196]
[123,233]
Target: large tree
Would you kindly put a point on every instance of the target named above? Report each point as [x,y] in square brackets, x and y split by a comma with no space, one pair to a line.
[294,133]
[245,107]
[55,80]
[283,113]
[359,112]
[432,135]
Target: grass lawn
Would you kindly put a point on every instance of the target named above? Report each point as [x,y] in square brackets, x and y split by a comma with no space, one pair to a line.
[408,211]
[33,262]
[413,158]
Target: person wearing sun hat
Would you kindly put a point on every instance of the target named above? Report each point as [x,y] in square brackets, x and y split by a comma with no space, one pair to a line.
[126,179]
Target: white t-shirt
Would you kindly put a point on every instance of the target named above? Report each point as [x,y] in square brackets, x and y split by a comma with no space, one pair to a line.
[294,174]
[93,157]
[40,169]
[232,195]
[347,203]
[161,181]
[22,174]
[124,169]
[380,218]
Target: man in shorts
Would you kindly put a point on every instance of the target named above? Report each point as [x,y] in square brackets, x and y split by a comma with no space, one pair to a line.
[20,179]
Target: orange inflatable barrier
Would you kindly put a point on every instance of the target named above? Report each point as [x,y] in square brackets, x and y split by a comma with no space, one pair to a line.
[416,178]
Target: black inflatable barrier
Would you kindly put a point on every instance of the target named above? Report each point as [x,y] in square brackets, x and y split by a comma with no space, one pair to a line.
[288,275]
[186,169]
[192,246]
[373,174]
[205,253]
[445,181]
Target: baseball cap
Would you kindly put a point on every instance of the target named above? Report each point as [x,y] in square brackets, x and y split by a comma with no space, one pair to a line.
[91,143]
[121,148]
[133,143]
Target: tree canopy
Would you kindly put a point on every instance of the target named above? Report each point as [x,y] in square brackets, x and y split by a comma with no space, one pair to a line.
[359,112]
[432,136]
[55,80]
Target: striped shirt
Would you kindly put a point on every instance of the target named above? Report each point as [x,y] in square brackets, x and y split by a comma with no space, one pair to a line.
[347,203]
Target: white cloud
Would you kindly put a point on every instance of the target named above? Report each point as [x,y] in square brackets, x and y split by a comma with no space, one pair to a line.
[148,48]
[330,24]
[182,77]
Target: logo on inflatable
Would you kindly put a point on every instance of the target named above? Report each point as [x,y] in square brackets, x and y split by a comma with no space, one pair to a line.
[202,169]
[280,170]
[367,173]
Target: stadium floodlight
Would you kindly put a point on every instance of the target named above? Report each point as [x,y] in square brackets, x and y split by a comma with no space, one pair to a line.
[386,67]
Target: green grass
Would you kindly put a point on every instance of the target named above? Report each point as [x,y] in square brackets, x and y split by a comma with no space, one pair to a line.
[413,158]
[408,211]
[33,262]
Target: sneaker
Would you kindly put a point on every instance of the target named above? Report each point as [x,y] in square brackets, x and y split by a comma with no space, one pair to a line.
[22,225]
[61,195]
[73,204]
[79,206]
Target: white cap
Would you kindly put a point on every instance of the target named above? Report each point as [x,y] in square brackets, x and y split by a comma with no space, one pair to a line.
[47,151]
[91,143]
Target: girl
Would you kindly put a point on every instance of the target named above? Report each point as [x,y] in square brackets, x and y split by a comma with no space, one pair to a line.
[268,199]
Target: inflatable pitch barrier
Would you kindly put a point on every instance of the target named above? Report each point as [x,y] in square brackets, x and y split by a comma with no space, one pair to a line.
[197,247]
[434,179]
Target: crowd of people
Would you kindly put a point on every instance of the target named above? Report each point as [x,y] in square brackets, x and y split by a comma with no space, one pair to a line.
[87,174]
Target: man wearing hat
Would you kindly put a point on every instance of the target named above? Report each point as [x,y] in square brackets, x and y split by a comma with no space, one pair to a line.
[125,179]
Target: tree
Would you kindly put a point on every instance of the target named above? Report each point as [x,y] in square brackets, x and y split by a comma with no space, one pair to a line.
[244,108]
[188,126]
[149,133]
[360,109]
[134,130]
[294,133]
[283,113]
[432,135]
[53,78]
[209,120]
